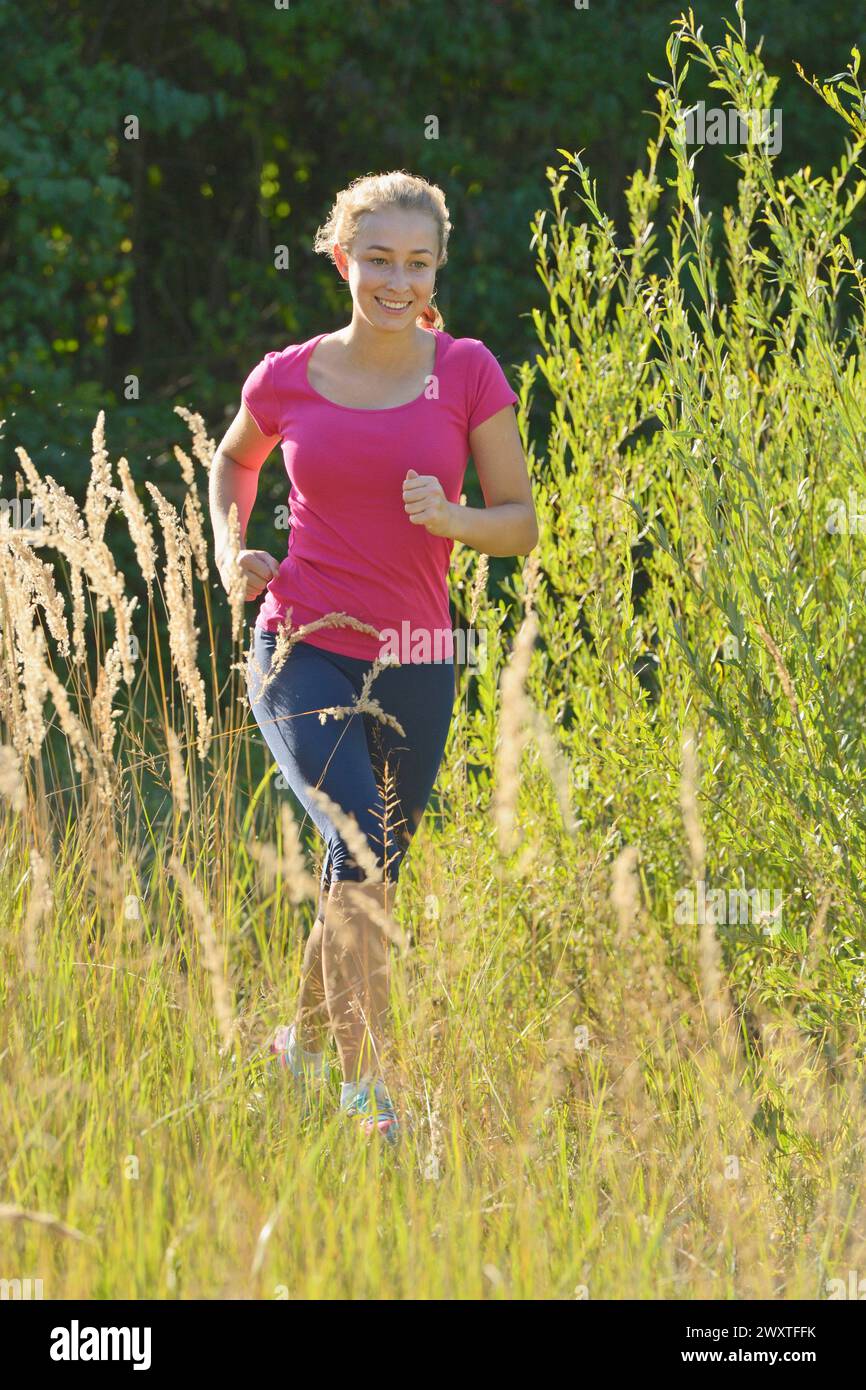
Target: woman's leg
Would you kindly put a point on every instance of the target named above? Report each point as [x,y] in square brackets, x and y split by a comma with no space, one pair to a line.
[335,757]
[422,696]
[356,975]
[346,962]
[355,950]
[312,1020]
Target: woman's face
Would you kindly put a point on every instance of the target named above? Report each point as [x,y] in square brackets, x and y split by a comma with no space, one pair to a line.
[391,267]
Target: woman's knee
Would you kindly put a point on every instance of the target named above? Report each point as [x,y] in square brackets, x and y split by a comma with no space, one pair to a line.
[354,925]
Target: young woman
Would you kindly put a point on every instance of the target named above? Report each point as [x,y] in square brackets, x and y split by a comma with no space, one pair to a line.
[376,422]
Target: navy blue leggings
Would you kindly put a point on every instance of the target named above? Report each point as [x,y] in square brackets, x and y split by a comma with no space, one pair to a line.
[345,757]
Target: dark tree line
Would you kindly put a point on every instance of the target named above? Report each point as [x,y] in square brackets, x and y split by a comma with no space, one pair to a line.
[153,257]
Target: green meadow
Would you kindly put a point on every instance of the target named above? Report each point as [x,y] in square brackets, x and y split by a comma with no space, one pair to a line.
[628,1013]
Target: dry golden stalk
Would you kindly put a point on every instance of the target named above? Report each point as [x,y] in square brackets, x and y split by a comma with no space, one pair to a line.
[816,935]
[61,512]
[781,668]
[81,742]
[479,587]
[531,578]
[27,645]
[123,610]
[211,952]
[101,493]
[354,835]
[362,706]
[39,905]
[301,884]
[41,1218]
[203,448]
[383,919]
[689,805]
[182,631]
[290,864]
[193,515]
[287,636]
[37,582]
[96,559]
[625,892]
[821,917]
[11,780]
[107,684]
[12,708]
[57,507]
[186,465]
[86,551]
[516,714]
[557,767]
[79,612]
[255,677]
[195,529]
[179,789]
[269,861]
[334,620]
[364,703]
[237,587]
[140,528]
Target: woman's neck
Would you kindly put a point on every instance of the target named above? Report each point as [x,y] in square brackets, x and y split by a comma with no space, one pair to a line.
[370,347]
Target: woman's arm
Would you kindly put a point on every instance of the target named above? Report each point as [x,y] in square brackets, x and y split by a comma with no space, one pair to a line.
[506,528]
[507,525]
[234,477]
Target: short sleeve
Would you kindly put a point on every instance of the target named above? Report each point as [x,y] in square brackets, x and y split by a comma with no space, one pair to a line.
[491,391]
[259,396]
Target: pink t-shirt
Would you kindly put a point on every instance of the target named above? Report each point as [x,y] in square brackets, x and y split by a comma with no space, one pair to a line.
[352,548]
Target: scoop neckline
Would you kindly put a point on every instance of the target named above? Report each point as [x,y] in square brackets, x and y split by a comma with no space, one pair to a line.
[362,409]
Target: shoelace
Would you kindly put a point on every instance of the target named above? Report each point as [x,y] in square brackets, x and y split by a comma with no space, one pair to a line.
[362,1105]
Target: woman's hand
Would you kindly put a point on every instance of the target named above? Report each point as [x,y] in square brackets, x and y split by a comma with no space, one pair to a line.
[426,503]
[257,566]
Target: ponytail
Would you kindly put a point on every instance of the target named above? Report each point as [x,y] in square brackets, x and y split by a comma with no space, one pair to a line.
[430,317]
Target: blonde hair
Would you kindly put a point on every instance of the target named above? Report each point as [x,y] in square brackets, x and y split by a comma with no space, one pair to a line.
[369,193]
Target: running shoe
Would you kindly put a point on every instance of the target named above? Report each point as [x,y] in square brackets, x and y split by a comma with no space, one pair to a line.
[375,1110]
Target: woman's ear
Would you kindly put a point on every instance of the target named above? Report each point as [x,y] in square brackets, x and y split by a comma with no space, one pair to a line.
[340,260]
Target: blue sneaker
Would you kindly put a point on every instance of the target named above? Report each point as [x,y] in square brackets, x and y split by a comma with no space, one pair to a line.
[374,1108]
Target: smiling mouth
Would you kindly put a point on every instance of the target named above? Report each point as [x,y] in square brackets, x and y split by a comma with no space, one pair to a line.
[393,306]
